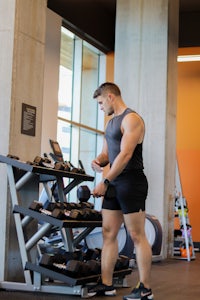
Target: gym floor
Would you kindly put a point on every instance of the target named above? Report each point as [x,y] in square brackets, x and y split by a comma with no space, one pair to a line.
[172,279]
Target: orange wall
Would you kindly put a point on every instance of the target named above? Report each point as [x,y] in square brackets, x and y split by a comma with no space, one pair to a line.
[188,136]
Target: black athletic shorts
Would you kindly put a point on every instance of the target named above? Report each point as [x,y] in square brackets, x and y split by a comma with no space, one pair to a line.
[131,188]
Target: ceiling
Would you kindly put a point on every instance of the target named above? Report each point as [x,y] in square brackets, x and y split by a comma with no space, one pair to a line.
[94,21]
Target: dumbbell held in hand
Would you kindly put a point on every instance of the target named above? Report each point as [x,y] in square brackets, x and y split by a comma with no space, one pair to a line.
[84,193]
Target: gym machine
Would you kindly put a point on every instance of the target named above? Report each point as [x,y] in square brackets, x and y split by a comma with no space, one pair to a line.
[33,223]
[153,232]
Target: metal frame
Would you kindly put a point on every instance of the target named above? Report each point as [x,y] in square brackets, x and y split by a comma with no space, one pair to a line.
[45,174]
[184,218]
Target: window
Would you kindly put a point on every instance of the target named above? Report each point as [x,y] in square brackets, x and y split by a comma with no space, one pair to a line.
[80,126]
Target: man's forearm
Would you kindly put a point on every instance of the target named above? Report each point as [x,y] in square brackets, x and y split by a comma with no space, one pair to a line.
[102,159]
[118,166]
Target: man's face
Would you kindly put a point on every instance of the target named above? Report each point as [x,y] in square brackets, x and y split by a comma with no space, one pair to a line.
[105,104]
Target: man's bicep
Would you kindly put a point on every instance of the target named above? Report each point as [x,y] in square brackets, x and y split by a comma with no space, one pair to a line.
[105,146]
[129,142]
[104,152]
[131,137]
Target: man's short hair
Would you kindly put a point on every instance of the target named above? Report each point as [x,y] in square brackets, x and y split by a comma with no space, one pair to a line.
[107,87]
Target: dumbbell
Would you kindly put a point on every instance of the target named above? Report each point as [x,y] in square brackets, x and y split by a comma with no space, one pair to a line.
[84,193]
[87,268]
[56,212]
[78,269]
[52,205]
[73,268]
[38,206]
[86,214]
[67,210]
[41,161]
[92,254]
[77,170]
[74,214]
[63,166]
[122,263]
[94,266]
[58,263]
[68,166]
[63,257]
[85,204]
[72,264]
[63,211]
[91,214]
[47,260]
[62,205]
[13,156]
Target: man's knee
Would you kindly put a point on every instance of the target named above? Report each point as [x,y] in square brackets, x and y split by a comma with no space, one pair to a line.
[137,236]
[109,233]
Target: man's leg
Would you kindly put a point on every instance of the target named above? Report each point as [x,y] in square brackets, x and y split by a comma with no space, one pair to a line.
[135,223]
[112,220]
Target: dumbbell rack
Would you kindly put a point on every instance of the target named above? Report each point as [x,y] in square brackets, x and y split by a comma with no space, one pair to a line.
[35,275]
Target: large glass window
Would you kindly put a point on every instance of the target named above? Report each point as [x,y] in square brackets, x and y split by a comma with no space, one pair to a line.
[80,127]
[65,91]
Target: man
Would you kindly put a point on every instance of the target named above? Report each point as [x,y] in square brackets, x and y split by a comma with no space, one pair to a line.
[122,150]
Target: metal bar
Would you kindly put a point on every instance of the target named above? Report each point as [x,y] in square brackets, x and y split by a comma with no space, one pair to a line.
[37,280]
[26,220]
[67,238]
[82,235]
[61,194]
[18,286]
[38,235]
[23,180]
[71,185]
[53,289]
[17,219]
[48,191]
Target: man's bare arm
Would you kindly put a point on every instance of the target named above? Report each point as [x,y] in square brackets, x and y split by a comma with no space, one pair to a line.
[102,159]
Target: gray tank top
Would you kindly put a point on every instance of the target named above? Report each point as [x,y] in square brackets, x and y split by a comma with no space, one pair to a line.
[113,137]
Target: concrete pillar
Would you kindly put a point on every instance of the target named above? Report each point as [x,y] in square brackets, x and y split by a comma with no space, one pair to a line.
[51,80]
[28,74]
[22,36]
[146,45]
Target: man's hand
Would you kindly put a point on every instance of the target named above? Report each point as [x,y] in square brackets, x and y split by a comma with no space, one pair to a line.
[96,166]
[100,189]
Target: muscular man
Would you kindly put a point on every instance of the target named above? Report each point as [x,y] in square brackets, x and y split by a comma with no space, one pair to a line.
[122,150]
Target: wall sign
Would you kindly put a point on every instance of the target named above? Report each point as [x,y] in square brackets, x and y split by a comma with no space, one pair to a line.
[28,119]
